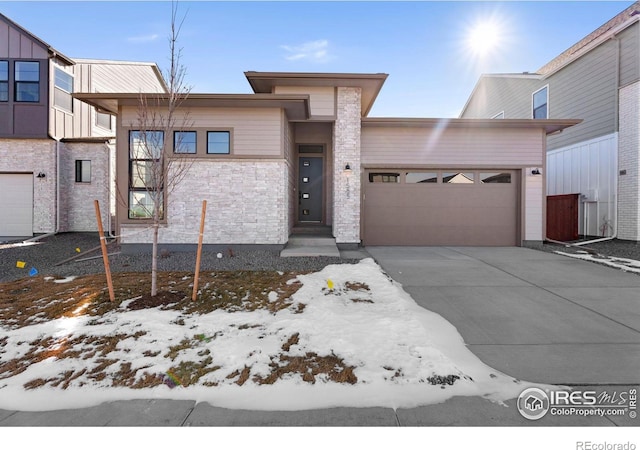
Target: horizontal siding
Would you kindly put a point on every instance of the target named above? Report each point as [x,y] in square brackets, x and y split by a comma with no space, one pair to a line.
[321,98]
[256,131]
[585,89]
[119,78]
[455,147]
[496,94]
[630,55]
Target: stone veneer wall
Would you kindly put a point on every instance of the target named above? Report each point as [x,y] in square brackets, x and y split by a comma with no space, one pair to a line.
[346,188]
[34,155]
[77,212]
[246,204]
[629,161]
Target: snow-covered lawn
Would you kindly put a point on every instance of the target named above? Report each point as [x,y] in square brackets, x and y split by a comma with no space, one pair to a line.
[349,336]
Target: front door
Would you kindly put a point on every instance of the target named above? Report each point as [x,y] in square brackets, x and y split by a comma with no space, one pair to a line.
[310,189]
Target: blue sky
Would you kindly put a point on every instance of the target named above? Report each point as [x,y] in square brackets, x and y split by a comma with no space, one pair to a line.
[422,45]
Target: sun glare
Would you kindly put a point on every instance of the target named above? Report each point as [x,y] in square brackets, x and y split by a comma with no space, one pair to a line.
[484,37]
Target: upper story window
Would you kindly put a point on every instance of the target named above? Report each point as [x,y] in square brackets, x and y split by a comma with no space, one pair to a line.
[185,142]
[27,80]
[540,103]
[4,81]
[63,84]
[219,142]
[500,115]
[103,120]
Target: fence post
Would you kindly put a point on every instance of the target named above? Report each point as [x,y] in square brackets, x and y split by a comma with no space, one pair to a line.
[105,257]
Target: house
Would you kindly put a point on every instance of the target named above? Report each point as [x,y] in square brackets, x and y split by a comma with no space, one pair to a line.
[596,80]
[533,403]
[56,152]
[301,149]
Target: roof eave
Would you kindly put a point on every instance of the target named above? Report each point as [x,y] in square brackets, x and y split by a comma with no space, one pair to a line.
[550,126]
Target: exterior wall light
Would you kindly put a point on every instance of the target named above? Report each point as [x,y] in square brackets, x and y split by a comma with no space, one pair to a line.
[347,170]
[41,175]
[536,172]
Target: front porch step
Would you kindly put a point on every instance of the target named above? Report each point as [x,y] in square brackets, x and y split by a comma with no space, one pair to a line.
[310,246]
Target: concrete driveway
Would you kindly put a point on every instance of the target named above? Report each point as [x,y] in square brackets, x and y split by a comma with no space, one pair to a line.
[533,315]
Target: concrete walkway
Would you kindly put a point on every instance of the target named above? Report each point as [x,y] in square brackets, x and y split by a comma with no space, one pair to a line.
[535,316]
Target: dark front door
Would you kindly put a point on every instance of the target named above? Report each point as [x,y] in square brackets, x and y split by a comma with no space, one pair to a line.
[310,189]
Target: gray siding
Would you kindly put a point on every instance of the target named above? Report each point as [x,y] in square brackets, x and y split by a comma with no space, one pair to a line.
[500,93]
[630,55]
[585,89]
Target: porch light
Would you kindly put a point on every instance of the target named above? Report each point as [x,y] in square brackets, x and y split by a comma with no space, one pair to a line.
[347,170]
[536,172]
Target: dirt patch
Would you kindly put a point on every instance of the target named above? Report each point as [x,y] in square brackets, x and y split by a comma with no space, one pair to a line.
[30,301]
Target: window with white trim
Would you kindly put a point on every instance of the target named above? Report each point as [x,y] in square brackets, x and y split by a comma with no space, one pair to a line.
[540,103]
[63,89]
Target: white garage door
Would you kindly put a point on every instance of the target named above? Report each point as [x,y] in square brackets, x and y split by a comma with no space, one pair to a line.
[16,204]
[441,207]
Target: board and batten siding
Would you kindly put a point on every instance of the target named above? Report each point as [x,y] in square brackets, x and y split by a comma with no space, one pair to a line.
[321,98]
[256,132]
[15,44]
[428,147]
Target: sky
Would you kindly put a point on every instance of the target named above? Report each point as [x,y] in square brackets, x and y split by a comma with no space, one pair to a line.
[433,51]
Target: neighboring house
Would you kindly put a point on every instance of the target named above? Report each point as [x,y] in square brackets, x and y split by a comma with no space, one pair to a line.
[55,151]
[596,80]
[301,150]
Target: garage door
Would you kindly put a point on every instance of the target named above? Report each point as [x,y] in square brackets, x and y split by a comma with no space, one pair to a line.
[440,207]
[16,204]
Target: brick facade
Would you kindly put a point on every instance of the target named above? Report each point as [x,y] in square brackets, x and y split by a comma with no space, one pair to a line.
[346,187]
[629,163]
[77,211]
[246,204]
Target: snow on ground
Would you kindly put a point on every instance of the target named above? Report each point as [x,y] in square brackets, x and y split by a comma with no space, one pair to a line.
[627,265]
[366,319]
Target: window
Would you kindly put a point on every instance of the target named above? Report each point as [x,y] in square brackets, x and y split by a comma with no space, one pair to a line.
[185,142]
[421,177]
[495,177]
[218,142]
[500,115]
[308,148]
[103,120]
[145,176]
[63,84]
[27,80]
[458,177]
[541,103]
[4,81]
[83,171]
[384,177]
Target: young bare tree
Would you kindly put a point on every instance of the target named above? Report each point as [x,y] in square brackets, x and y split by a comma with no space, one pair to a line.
[159,158]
